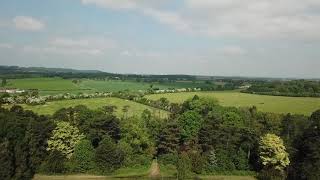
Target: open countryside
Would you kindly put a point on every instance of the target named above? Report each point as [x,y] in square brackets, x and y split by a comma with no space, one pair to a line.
[96,103]
[160,89]
[276,104]
[49,86]
[265,103]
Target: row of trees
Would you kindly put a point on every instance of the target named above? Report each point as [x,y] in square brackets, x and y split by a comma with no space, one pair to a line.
[200,137]
[299,88]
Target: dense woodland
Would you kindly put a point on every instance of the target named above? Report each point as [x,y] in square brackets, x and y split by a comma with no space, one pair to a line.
[199,138]
[298,88]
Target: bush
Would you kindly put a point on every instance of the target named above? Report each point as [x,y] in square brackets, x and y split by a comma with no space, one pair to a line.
[166,159]
[241,160]
[271,174]
[224,161]
[54,163]
[82,159]
[198,162]
[109,156]
[183,166]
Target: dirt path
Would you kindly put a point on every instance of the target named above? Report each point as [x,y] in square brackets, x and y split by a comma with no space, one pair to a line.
[154,171]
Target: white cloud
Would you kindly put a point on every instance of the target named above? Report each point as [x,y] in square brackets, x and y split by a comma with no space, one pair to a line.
[126,4]
[142,54]
[70,46]
[256,19]
[6,46]
[28,23]
[122,4]
[232,51]
[292,19]
[168,18]
[102,43]
[61,51]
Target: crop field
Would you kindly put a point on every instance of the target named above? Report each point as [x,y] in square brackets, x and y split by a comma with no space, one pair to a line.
[115,86]
[277,104]
[95,103]
[47,86]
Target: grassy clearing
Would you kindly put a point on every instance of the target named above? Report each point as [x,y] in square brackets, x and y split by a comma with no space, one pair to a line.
[95,103]
[133,172]
[277,104]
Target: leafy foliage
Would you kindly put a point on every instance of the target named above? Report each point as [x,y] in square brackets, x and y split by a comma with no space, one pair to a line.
[273,153]
[183,166]
[288,88]
[64,139]
[109,156]
[82,160]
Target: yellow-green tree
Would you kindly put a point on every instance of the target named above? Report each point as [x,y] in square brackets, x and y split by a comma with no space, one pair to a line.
[64,138]
[272,152]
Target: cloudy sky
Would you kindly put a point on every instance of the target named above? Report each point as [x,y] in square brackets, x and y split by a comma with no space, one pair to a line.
[274,38]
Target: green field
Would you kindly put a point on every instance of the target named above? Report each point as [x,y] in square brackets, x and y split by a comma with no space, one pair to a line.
[48,86]
[277,104]
[95,103]
[114,85]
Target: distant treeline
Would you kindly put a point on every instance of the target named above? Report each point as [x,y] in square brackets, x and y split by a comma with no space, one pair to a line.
[15,72]
[295,88]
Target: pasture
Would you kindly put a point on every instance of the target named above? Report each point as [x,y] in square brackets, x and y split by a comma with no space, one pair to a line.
[277,104]
[134,108]
[48,86]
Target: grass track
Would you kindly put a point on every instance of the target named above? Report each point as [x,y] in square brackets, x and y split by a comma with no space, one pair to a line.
[277,104]
[95,103]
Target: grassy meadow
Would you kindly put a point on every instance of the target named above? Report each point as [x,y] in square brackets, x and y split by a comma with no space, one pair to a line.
[95,103]
[277,104]
[47,86]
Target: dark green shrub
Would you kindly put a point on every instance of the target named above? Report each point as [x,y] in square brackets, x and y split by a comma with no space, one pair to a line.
[166,159]
[109,156]
[82,159]
[271,174]
[241,161]
[183,166]
[54,163]
[198,162]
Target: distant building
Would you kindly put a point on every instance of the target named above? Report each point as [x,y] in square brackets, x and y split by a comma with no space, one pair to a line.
[244,87]
[11,90]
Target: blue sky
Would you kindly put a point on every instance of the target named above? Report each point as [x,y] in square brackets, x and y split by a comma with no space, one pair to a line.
[204,37]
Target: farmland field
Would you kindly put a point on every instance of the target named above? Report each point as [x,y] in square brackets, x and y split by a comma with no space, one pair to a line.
[277,104]
[116,85]
[113,85]
[48,86]
[95,103]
